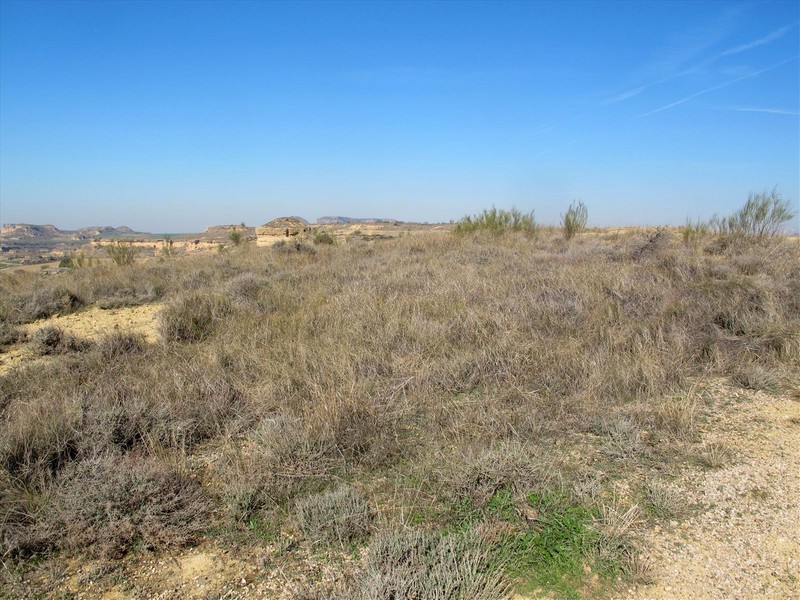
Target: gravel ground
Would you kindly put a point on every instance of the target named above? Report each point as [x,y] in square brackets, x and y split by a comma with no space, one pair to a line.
[742,539]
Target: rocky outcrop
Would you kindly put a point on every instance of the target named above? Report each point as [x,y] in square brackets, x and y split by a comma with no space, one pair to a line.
[281,228]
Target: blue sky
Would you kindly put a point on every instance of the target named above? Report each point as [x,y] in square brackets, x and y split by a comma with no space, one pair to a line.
[175,116]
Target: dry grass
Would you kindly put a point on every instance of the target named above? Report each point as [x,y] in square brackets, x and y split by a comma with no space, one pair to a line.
[415,564]
[437,373]
[339,516]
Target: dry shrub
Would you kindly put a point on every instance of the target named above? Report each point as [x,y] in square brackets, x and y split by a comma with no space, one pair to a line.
[19,505]
[106,506]
[193,317]
[128,297]
[293,247]
[41,302]
[339,516]
[381,364]
[9,335]
[116,346]
[278,461]
[416,565]
[654,245]
[77,409]
[54,340]
[662,499]
[480,474]
[142,407]
[676,415]
[358,429]
[756,377]
[714,454]
[245,288]
[617,526]
[624,439]
[783,343]
[40,439]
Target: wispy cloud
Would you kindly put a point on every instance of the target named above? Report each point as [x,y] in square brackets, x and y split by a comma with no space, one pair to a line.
[767,39]
[629,94]
[760,109]
[770,37]
[714,88]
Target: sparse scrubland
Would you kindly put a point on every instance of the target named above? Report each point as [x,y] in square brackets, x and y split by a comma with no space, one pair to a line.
[453,412]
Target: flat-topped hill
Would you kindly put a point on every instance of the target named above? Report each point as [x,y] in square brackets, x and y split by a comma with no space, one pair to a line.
[28,231]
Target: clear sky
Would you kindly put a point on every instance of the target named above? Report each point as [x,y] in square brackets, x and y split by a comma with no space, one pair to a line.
[175,116]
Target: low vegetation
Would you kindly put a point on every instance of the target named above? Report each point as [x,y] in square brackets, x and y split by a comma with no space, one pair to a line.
[122,253]
[762,215]
[497,221]
[457,407]
[574,220]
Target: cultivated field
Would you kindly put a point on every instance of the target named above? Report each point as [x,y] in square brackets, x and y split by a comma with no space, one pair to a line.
[479,414]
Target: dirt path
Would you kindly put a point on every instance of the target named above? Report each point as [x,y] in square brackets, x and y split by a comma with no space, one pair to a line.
[743,540]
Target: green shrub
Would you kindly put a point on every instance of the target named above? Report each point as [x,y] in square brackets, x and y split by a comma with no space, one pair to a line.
[76,260]
[122,254]
[762,215]
[574,220]
[236,234]
[341,516]
[693,233]
[324,238]
[168,249]
[497,221]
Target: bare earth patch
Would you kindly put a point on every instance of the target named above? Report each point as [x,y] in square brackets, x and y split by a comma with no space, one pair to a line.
[743,540]
[89,324]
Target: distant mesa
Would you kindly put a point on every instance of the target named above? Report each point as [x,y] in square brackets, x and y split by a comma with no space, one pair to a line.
[349,220]
[105,230]
[27,231]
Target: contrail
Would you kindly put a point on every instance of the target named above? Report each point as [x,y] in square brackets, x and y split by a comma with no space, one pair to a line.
[774,111]
[770,37]
[716,87]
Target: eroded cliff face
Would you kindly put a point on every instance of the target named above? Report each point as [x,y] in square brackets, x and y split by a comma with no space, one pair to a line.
[27,231]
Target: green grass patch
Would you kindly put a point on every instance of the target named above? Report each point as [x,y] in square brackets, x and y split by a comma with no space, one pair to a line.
[544,544]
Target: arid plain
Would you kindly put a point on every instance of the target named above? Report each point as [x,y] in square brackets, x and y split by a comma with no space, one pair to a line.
[388,410]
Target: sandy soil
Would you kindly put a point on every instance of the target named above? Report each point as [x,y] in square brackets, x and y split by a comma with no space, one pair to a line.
[88,324]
